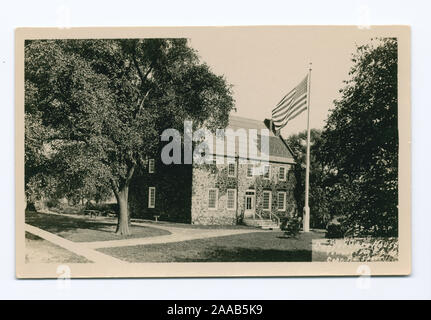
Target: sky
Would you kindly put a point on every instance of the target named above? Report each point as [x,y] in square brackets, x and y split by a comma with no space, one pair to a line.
[263,64]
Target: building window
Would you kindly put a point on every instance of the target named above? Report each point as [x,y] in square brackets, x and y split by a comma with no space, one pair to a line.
[282,174]
[281,201]
[231,169]
[151,166]
[212,198]
[266,200]
[249,170]
[151,197]
[266,171]
[231,199]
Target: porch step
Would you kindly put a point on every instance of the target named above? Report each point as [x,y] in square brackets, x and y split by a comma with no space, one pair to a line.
[267,224]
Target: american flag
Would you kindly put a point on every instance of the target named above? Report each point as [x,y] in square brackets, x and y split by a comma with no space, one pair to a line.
[291,106]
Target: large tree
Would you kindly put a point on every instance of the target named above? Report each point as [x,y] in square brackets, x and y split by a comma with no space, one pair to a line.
[360,142]
[104,104]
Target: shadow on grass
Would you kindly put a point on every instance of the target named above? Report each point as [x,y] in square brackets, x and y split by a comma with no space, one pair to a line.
[248,247]
[31,236]
[196,226]
[57,224]
[81,229]
[251,255]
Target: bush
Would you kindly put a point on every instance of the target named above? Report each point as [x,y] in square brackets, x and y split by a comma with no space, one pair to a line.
[334,231]
[52,203]
[335,228]
[290,226]
[380,249]
[111,207]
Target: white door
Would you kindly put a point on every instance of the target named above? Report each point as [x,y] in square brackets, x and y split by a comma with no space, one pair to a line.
[250,202]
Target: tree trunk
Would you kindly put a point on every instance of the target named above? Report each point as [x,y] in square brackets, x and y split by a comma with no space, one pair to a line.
[121,192]
[123,225]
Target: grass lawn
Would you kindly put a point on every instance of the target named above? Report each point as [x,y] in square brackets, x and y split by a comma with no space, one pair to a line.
[251,247]
[38,250]
[194,226]
[82,229]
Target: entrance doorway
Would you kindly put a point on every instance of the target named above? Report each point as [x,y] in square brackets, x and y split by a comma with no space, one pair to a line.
[250,204]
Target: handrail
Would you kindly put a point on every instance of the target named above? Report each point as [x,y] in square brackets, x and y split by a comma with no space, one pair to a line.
[258,215]
[277,217]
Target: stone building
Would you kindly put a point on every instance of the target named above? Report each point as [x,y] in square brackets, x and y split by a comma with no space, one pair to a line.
[235,188]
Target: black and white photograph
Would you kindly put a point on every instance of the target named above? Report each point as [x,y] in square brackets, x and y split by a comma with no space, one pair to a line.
[213,151]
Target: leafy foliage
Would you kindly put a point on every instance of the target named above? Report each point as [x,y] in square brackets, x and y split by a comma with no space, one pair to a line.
[334,229]
[380,249]
[360,144]
[100,106]
[291,226]
[318,201]
[363,249]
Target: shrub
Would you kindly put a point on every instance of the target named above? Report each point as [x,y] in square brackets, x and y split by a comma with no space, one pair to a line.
[381,249]
[334,230]
[111,207]
[290,226]
[52,203]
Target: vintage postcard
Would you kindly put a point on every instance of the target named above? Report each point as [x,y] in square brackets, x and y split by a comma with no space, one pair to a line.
[213,151]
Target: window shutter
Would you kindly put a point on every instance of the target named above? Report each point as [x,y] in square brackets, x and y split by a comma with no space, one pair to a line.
[151,197]
[151,166]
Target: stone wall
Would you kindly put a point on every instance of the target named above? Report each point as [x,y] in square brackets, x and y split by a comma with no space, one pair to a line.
[208,176]
[275,185]
[216,176]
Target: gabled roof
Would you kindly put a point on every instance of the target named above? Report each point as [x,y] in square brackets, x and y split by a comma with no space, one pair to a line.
[236,122]
[279,151]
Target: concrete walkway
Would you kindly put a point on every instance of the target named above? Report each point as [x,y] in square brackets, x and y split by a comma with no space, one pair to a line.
[177,234]
[74,247]
[88,249]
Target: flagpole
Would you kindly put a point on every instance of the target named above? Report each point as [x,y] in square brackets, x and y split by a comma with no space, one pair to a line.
[306,216]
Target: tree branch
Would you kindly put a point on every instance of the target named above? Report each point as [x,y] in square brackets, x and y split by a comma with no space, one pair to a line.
[70,138]
[114,187]
[130,174]
[141,75]
[141,104]
[135,62]
[148,72]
